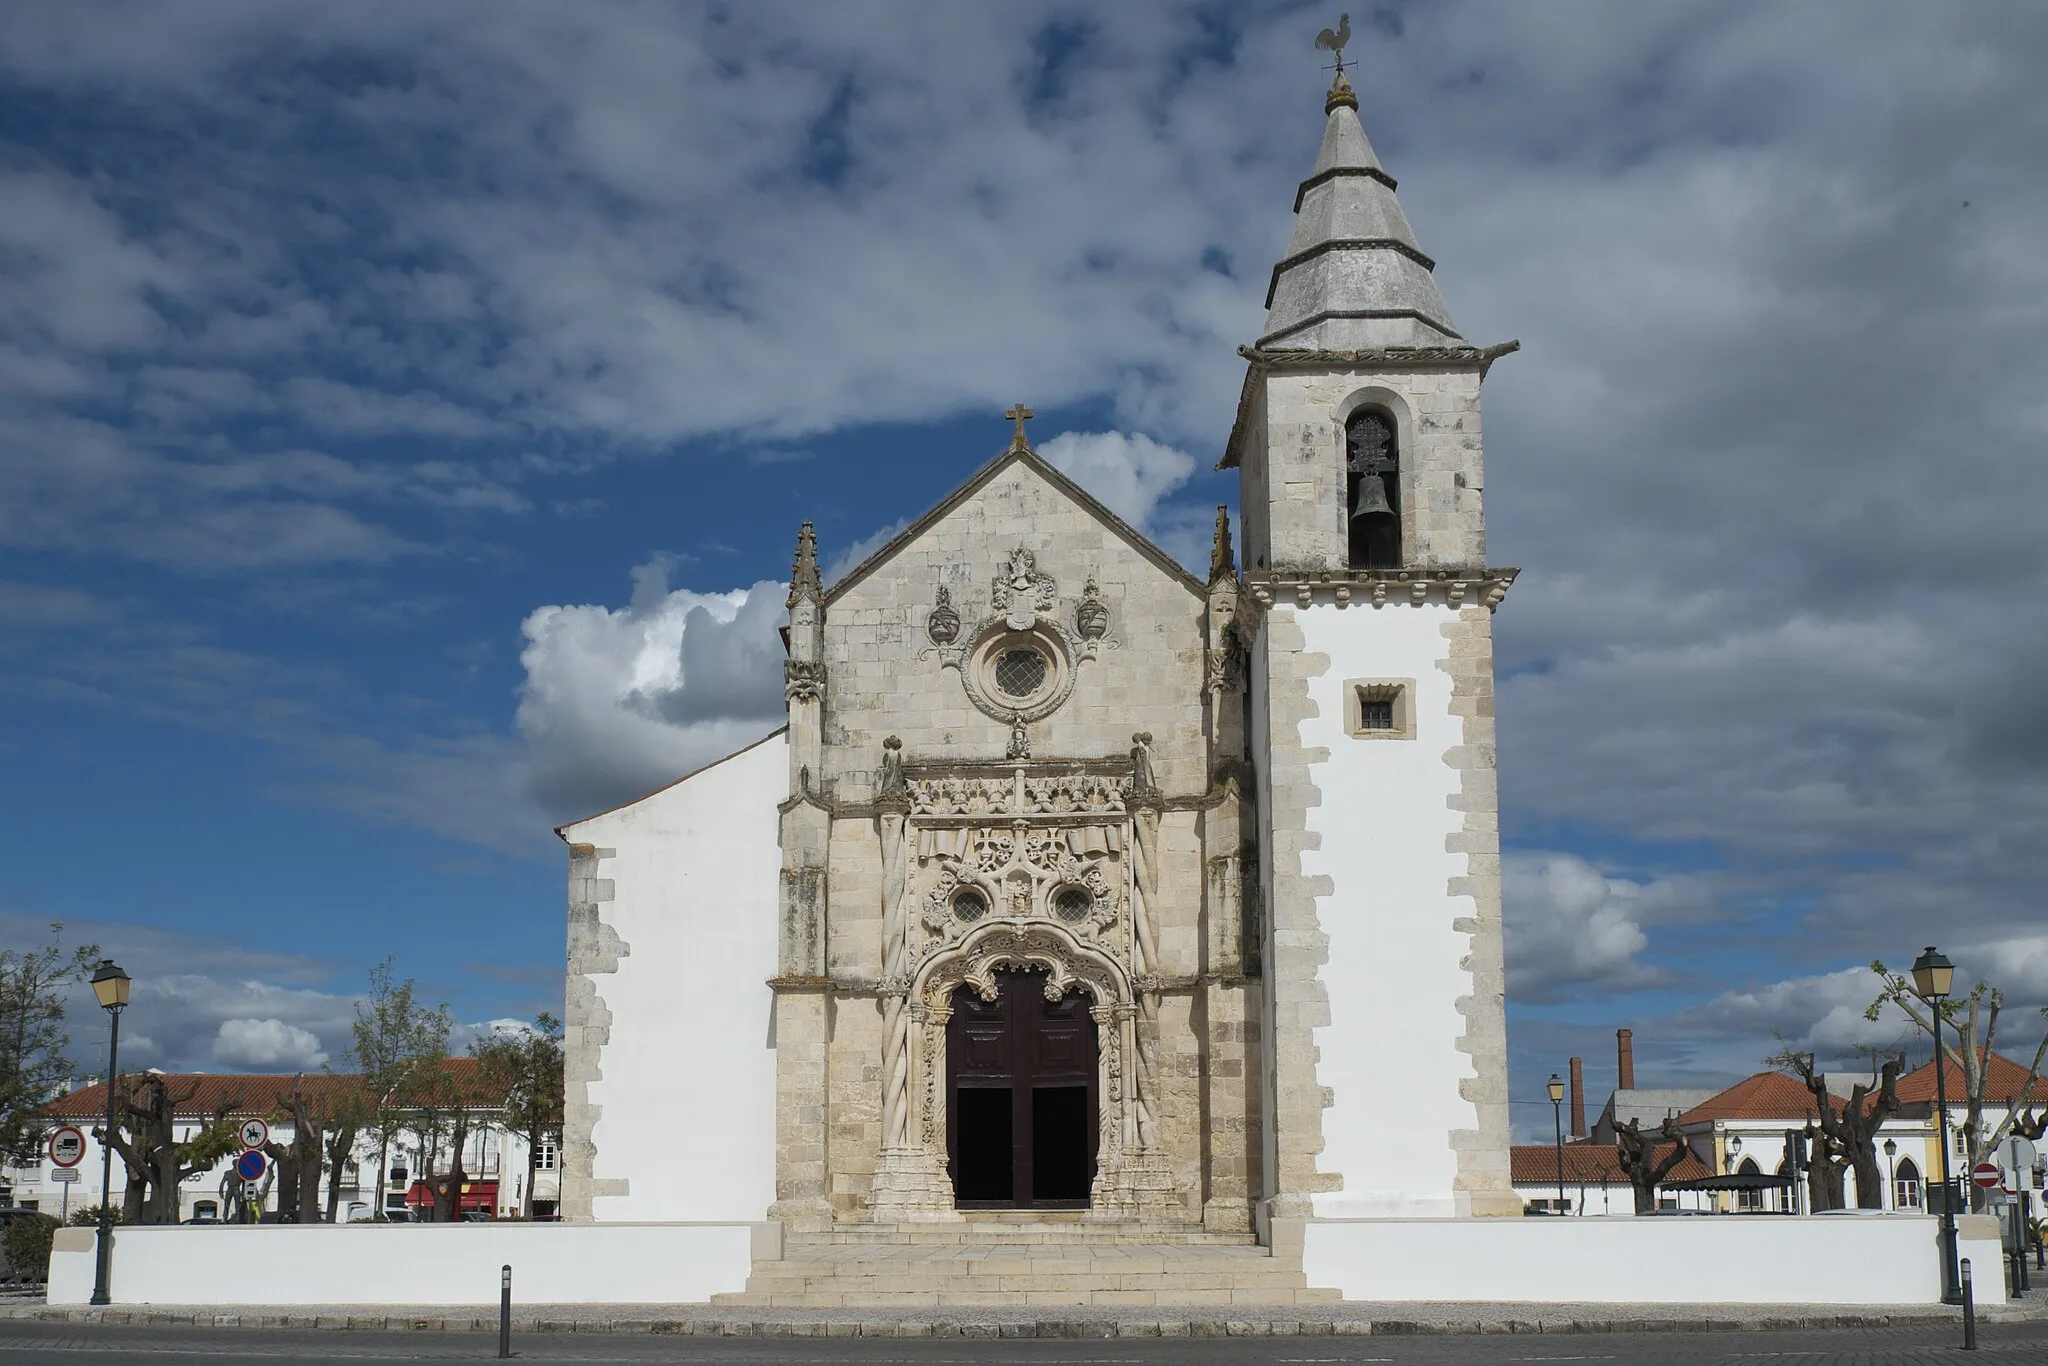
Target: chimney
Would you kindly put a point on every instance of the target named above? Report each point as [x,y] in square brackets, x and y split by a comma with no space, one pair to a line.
[1578,1098]
[1625,1059]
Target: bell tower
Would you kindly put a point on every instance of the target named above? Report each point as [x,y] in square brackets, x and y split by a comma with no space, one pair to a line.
[1368,604]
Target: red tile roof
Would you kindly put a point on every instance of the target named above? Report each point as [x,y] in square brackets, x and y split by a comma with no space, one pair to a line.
[1767,1095]
[1591,1163]
[2003,1080]
[201,1095]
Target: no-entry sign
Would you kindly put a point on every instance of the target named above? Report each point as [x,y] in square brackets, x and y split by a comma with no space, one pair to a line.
[1986,1174]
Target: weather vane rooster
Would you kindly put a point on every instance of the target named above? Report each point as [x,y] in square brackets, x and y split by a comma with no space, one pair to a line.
[1332,40]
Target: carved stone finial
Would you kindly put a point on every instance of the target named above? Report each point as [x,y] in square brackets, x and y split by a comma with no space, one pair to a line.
[803,574]
[943,625]
[1091,618]
[1020,739]
[1020,415]
[1222,562]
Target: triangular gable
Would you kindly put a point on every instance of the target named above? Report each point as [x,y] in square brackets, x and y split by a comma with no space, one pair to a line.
[702,768]
[976,482]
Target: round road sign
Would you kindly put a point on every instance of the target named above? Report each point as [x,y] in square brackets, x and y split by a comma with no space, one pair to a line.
[255,1133]
[1986,1174]
[67,1146]
[249,1166]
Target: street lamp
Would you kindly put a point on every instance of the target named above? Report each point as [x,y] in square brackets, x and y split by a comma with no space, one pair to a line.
[1933,976]
[1557,1115]
[110,985]
[1891,1171]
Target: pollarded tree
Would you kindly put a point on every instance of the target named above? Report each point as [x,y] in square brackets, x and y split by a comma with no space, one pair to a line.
[146,1139]
[33,1045]
[1638,1156]
[1969,1033]
[1846,1132]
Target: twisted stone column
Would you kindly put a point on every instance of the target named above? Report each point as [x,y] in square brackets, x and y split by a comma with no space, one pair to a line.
[1144,968]
[895,955]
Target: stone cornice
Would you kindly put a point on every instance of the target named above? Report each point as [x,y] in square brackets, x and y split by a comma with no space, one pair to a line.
[1455,586]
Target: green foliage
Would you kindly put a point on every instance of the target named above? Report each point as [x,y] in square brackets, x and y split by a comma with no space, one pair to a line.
[88,1216]
[526,1067]
[33,1044]
[27,1248]
[399,1045]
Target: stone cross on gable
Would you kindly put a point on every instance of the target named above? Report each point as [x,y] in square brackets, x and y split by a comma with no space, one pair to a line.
[1019,414]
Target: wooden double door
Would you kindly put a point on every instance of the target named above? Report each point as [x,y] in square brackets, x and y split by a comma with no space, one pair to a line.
[1021,1103]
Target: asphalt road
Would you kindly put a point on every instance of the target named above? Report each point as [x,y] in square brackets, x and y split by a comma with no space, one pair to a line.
[44,1344]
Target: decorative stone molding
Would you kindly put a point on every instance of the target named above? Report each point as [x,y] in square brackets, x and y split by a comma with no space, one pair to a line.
[803,680]
[1484,585]
[943,625]
[1021,622]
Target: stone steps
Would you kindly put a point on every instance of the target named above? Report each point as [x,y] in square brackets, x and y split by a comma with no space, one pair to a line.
[816,1271]
[1028,1232]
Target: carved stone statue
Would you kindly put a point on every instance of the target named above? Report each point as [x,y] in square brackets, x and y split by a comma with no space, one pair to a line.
[1143,780]
[893,782]
[1020,739]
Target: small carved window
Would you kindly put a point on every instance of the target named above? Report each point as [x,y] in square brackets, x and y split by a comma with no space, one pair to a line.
[1020,673]
[1380,708]
[1372,489]
[1073,903]
[969,906]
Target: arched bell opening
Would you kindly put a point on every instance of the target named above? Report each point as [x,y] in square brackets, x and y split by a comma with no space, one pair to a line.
[1372,488]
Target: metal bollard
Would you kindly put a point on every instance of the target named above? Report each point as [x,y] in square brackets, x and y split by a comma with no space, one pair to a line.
[505,1313]
[1969,1310]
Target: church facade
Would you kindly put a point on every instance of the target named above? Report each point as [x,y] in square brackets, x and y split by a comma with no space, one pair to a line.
[1079,882]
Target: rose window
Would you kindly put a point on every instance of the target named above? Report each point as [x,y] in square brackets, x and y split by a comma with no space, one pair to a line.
[1020,673]
[969,906]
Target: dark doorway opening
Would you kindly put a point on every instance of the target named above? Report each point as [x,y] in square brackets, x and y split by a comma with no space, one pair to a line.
[1021,1097]
[984,1173]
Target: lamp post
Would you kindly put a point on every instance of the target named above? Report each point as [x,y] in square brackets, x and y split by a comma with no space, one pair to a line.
[110,985]
[1557,1116]
[1933,976]
[1891,1171]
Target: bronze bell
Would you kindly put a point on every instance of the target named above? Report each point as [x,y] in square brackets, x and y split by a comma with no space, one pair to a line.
[1372,498]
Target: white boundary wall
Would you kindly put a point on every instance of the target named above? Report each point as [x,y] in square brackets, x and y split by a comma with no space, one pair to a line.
[281,1264]
[1888,1260]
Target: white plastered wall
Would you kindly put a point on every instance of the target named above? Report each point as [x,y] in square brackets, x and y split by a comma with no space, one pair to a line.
[1389,1056]
[685,1085]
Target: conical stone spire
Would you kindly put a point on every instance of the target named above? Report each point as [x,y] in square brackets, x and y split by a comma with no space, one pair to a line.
[1353,278]
[803,571]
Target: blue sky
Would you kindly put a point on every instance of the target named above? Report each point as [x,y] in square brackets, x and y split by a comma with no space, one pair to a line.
[405,414]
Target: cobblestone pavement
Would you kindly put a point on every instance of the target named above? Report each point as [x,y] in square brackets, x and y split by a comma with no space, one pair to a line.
[29,1343]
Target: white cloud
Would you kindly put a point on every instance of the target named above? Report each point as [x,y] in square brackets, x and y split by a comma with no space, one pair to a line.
[266,1045]
[1129,471]
[1568,925]
[619,701]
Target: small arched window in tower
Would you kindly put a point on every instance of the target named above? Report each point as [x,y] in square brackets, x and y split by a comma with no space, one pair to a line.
[1372,489]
